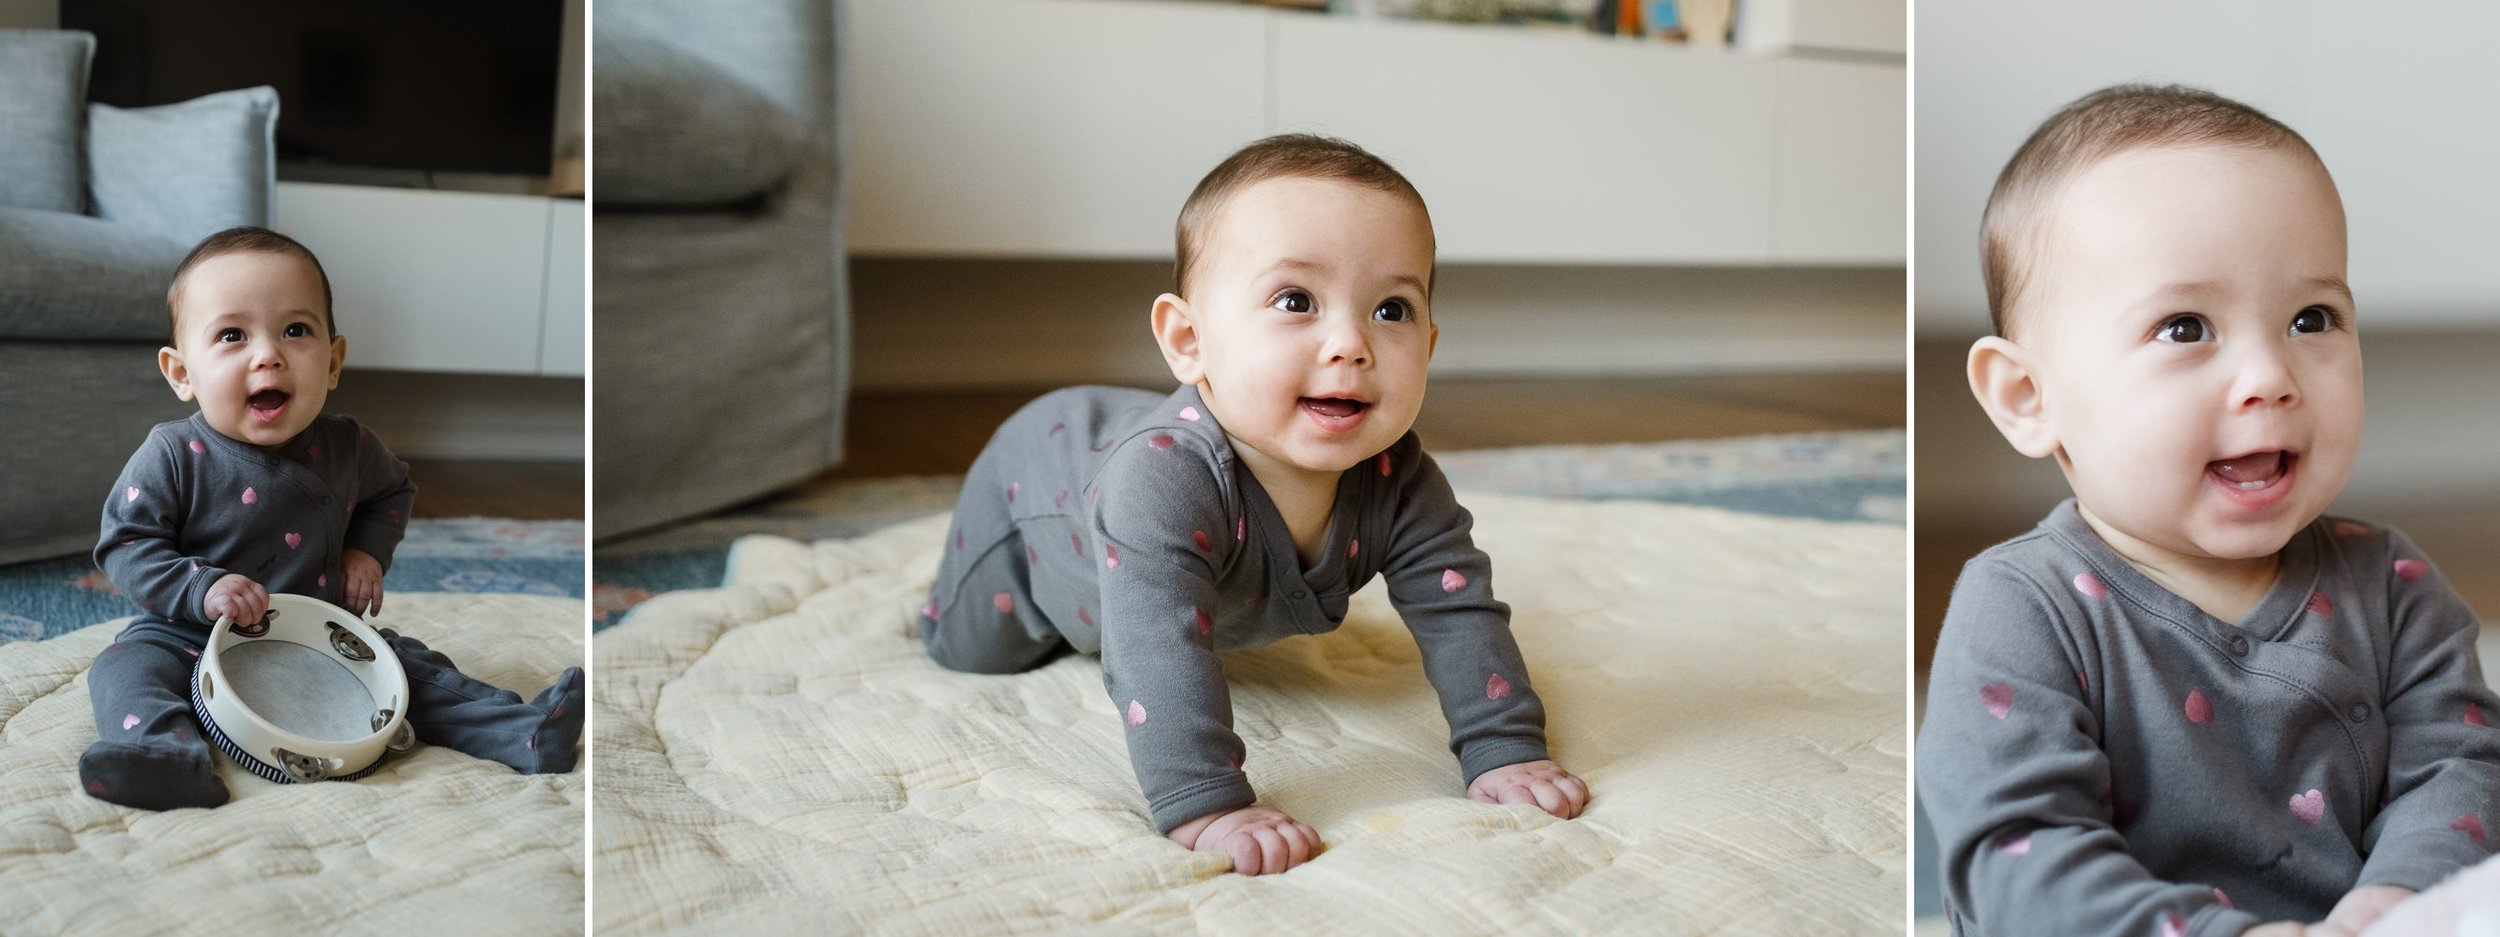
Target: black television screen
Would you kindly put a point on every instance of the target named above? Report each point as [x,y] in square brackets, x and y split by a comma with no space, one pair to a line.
[445,85]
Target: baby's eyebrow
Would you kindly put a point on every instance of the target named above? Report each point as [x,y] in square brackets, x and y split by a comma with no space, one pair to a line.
[2333,285]
[1308,266]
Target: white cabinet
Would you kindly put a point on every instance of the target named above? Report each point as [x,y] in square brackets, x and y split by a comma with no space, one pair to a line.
[462,282]
[1073,129]
[1061,128]
[1547,148]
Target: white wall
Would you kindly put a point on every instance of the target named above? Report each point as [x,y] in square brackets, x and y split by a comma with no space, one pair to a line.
[2398,98]
[30,14]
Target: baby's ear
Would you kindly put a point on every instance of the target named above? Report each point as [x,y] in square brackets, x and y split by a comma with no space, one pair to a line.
[2002,378]
[1176,332]
[177,376]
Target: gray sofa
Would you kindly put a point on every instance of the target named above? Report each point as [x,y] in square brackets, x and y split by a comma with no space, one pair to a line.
[720,350]
[97,207]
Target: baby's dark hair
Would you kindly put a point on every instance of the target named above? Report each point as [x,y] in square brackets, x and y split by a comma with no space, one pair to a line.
[2096,127]
[247,239]
[1298,155]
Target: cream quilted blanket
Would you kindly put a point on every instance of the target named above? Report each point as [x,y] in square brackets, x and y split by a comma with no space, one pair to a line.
[778,756]
[435,842]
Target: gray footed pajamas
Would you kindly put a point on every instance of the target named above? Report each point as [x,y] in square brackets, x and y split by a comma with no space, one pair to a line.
[2102,757]
[1117,522]
[193,506]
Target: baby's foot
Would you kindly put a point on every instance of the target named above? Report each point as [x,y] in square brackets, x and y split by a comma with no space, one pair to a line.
[556,737]
[1260,840]
[151,777]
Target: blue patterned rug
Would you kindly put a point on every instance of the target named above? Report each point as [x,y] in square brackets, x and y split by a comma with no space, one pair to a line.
[1834,476]
[46,598]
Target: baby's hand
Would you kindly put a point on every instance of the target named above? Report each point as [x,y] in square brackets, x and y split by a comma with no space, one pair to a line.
[1542,783]
[237,596]
[2365,904]
[364,582]
[1261,840]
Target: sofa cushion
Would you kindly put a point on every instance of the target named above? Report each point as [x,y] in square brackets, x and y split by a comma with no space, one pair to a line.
[188,170]
[74,277]
[674,130]
[44,72]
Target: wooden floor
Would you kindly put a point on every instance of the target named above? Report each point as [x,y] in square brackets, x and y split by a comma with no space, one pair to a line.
[532,491]
[918,433]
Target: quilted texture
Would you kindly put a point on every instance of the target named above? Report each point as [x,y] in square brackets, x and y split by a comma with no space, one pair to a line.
[434,842]
[779,755]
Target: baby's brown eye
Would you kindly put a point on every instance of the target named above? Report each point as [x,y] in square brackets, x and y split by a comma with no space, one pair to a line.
[1395,310]
[1291,301]
[2314,319]
[230,335]
[298,330]
[2183,329]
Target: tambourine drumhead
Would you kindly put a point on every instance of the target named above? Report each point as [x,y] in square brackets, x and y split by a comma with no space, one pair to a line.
[310,693]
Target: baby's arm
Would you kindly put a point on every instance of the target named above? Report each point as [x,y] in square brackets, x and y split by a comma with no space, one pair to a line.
[136,547]
[2443,753]
[2015,783]
[1158,604]
[1443,586]
[384,497]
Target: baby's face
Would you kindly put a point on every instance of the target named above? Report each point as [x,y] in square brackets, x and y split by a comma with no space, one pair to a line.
[2196,347]
[252,346]
[1311,318]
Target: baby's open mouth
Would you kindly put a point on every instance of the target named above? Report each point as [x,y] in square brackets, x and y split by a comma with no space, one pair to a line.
[266,404]
[2254,471]
[1336,407]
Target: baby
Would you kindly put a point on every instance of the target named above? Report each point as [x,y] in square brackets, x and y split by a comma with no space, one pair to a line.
[1248,505]
[2188,703]
[260,492]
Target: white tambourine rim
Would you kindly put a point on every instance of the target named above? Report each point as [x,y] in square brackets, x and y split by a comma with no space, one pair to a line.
[233,719]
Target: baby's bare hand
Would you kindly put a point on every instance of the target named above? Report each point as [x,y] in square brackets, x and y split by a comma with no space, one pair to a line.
[2364,905]
[236,596]
[364,582]
[1261,840]
[1543,784]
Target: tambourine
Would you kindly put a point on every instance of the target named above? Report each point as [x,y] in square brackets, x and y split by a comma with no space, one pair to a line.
[308,693]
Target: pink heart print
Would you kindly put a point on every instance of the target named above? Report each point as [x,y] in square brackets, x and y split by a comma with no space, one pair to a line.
[197,449]
[1190,414]
[1005,602]
[2411,570]
[1055,428]
[2225,899]
[1084,615]
[1032,556]
[1011,491]
[2474,716]
[1451,581]
[1136,713]
[2090,585]
[930,611]
[1998,697]
[2173,926]
[1206,625]
[1160,441]
[1199,537]
[130,722]
[2318,603]
[2199,709]
[313,451]
[130,494]
[2471,825]
[1077,541]
[1353,547]
[1060,500]
[1384,465]
[1496,687]
[250,496]
[2018,846]
[294,540]
[1111,555]
[1241,528]
[2309,806]
[322,580]
[2350,529]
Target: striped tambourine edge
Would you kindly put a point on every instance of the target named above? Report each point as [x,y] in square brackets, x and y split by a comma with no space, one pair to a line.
[199,709]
